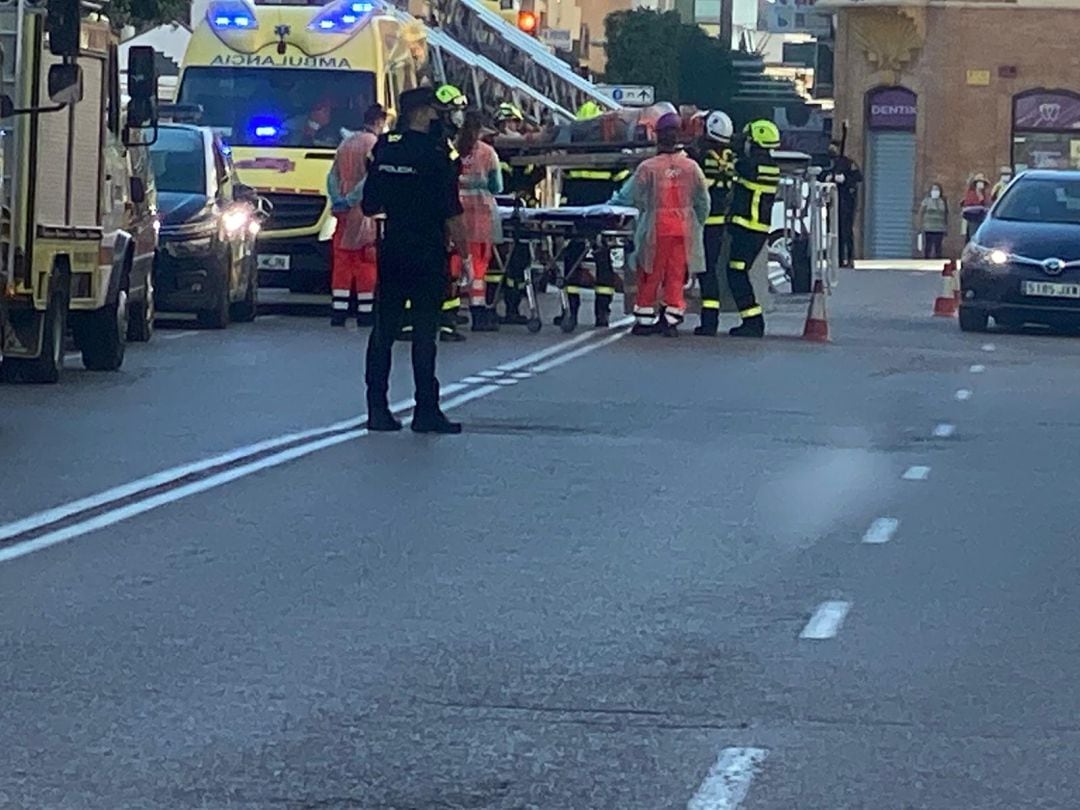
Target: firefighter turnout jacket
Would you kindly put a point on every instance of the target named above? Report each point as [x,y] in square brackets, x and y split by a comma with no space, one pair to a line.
[592,186]
[718,167]
[754,188]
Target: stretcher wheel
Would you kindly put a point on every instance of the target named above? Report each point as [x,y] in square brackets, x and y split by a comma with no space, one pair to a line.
[533,325]
[568,323]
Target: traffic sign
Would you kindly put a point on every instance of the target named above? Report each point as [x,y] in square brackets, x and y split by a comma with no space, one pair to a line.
[629,95]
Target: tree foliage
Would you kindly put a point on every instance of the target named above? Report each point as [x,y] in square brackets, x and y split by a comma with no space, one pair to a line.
[683,63]
[143,14]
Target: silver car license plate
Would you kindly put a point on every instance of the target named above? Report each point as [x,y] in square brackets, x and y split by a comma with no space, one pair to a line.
[1051,289]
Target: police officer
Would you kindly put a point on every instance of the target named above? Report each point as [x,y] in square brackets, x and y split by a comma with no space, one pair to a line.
[717,162]
[590,187]
[756,181]
[415,184]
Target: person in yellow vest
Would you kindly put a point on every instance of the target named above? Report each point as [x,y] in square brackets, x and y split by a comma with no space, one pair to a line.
[717,162]
[754,188]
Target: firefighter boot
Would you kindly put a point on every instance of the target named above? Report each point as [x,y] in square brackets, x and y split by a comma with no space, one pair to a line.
[710,322]
[753,326]
[483,319]
[575,305]
[513,316]
[365,319]
[602,310]
[338,317]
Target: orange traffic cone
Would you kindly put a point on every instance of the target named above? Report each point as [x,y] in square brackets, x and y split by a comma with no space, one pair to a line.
[817,318]
[947,304]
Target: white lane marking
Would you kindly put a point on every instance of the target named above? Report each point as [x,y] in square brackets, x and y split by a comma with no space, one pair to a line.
[522,375]
[728,780]
[351,427]
[826,621]
[576,353]
[963,394]
[944,430]
[881,530]
[977,368]
[474,380]
[178,335]
[916,473]
[491,372]
[507,381]
[529,359]
[988,347]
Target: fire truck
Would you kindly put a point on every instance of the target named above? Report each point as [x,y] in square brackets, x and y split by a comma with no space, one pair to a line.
[77,225]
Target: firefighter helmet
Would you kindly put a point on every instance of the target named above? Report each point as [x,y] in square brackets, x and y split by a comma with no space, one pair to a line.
[763,133]
[508,112]
[718,126]
[449,96]
[590,109]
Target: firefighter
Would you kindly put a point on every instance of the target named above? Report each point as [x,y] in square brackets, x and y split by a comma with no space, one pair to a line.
[521,181]
[582,187]
[717,163]
[353,264]
[413,182]
[756,181]
[671,194]
[480,180]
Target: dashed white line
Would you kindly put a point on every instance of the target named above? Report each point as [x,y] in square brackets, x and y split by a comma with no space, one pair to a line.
[491,372]
[988,347]
[977,368]
[916,473]
[881,530]
[826,621]
[507,381]
[728,780]
[474,380]
[944,430]
[522,375]
[963,394]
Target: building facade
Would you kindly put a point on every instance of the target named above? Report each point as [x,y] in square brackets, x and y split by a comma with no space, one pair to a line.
[933,91]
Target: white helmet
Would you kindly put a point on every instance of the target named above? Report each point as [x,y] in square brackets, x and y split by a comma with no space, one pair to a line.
[718,126]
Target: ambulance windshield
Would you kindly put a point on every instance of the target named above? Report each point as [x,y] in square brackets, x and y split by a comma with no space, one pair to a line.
[275,107]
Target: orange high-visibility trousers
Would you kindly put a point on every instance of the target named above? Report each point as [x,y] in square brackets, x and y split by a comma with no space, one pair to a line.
[666,278]
[352,272]
[480,253]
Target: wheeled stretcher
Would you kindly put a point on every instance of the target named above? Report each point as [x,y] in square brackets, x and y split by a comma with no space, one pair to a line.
[550,231]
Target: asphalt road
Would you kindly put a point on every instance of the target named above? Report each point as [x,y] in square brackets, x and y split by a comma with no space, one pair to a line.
[651,574]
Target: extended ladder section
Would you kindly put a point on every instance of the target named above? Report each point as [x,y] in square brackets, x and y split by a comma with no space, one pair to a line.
[10,17]
[483,32]
[484,82]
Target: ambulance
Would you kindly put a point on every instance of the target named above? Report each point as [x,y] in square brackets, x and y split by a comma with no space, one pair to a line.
[283,85]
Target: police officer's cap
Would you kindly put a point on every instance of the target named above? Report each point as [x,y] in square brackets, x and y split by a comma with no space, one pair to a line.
[412,100]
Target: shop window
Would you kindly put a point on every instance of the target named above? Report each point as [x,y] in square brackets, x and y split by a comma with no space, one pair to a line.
[1046,130]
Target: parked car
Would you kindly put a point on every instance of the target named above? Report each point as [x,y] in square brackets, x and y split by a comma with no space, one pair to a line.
[1023,263]
[209,220]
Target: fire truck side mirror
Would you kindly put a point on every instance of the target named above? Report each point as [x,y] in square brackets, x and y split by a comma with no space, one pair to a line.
[65,84]
[142,87]
[62,21]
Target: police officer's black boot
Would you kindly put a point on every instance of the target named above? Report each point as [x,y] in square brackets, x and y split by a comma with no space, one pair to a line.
[710,323]
[483,319]
[602,310]
[380,419]
[753,326]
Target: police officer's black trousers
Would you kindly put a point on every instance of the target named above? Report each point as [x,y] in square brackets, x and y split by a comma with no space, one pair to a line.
[846,234]
[709,281]
[605,278]
[745,247]
[414,281]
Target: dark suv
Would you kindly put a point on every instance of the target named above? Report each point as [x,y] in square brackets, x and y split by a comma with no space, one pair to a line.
[206,256]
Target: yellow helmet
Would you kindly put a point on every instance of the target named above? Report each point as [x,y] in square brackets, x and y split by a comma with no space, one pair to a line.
[590,109]
[449,96]
[764,133]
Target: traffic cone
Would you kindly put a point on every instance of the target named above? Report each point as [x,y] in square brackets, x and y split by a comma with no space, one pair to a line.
[817,318]
[947,304]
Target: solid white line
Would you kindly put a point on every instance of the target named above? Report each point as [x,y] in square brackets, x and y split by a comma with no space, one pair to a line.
[944,430]
[916,473]
[988,347]
[576,353]
[115,516]
[977,368]
[529,359]
[176,335]
[881,530]
[826,621]
[728,780]
[963,394]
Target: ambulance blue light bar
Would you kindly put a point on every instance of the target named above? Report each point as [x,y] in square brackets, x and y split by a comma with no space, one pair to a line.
[342,16]
[235,15]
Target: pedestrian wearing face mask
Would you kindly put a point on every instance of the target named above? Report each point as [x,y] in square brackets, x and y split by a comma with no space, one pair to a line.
[933,222]
[975,204]
[1004,179]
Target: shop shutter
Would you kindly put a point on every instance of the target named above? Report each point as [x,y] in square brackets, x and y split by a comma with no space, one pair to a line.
[891,194]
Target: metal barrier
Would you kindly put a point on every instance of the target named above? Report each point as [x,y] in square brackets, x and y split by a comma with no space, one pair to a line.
[824,235]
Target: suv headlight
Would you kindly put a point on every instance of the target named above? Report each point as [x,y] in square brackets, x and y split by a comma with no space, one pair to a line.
[990,257]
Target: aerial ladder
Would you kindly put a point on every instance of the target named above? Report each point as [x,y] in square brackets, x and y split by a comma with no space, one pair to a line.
[485,33]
